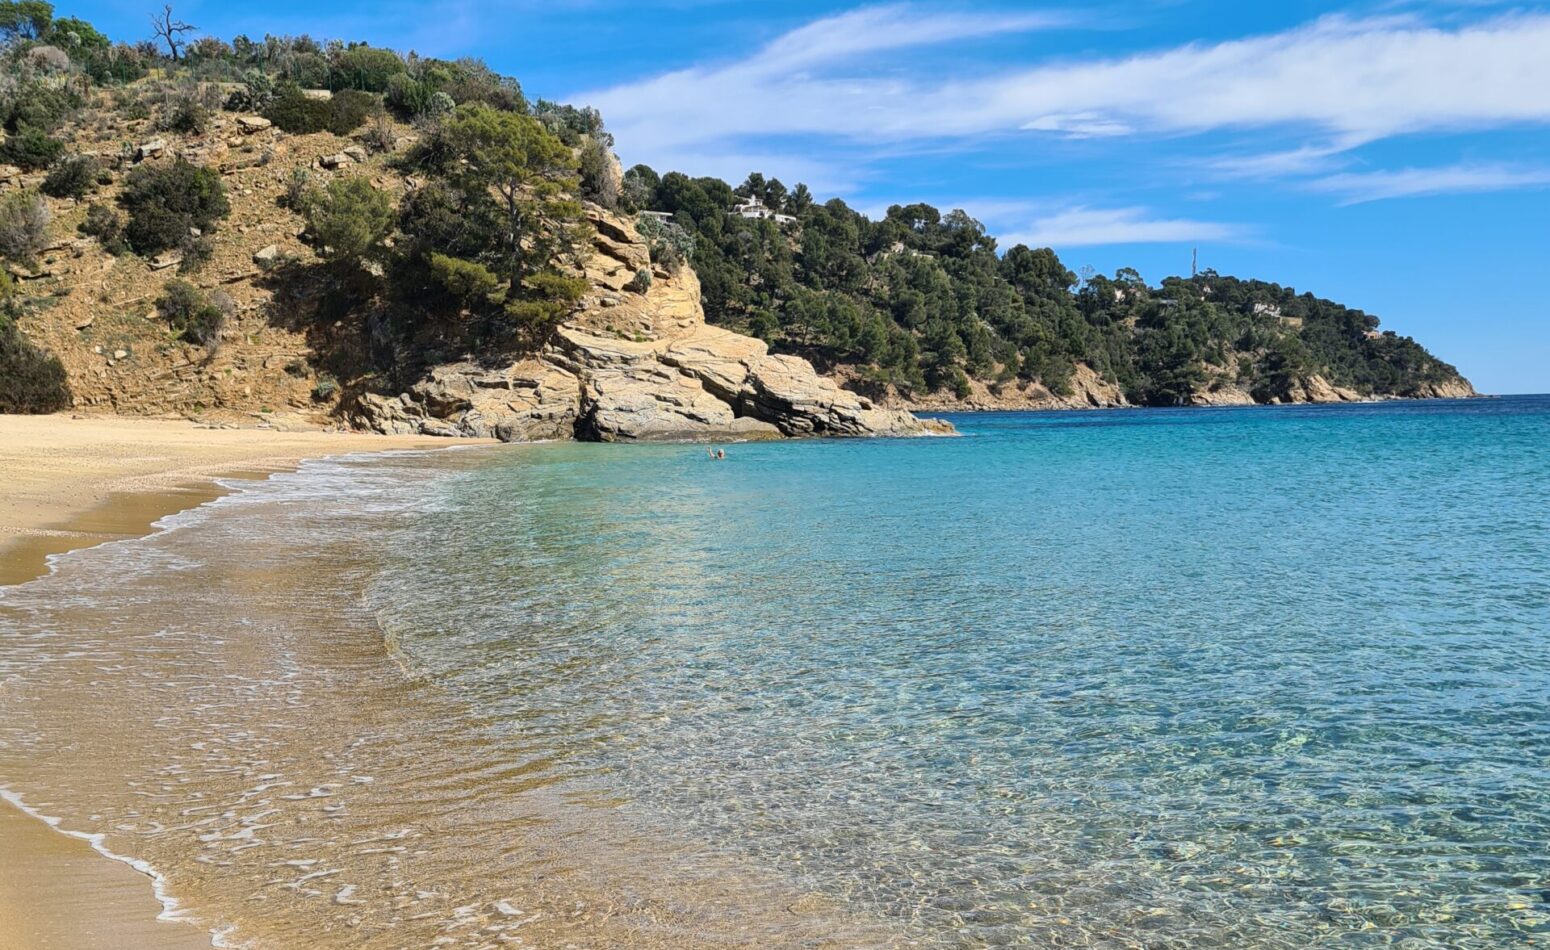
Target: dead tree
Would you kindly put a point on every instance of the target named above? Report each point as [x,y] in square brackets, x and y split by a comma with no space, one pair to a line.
[170,31]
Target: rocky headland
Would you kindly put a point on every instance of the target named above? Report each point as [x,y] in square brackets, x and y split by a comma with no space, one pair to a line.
[636,365]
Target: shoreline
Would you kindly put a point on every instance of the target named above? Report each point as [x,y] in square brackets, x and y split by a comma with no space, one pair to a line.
[963,409]
[68,483]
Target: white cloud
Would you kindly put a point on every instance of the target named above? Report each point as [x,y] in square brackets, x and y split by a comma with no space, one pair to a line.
[1359,187]
[1080,227]
[1346,80]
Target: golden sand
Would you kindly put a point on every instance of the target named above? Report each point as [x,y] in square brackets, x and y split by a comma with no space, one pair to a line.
[67,483]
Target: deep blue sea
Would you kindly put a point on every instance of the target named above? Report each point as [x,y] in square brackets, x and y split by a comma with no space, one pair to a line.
[1267,677]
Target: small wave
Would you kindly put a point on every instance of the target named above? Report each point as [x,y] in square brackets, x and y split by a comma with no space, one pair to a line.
[170,907]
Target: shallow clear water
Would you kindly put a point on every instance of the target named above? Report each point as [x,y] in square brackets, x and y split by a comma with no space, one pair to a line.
[1217,678]
[1238,678]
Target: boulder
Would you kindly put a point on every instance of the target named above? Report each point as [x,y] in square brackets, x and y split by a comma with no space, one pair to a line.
[355,153]
[787,392]
[267,256]
[336,160]
[150,149]
[253,123]
[657,403]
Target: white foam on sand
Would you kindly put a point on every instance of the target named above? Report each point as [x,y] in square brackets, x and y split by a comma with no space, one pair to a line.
[170,911]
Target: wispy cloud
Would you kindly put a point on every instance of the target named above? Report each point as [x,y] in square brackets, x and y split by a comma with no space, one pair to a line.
[1343,80]
[1082,227]
[1360,187]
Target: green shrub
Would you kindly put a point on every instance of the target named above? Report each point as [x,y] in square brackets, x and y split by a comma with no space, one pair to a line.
[350,109]
[466,280]
[24,221]
[185,114]
[256,94]
[599,182]
[297,189]
[405,96]
[165,201]
[365,68]
[296,112]
[195,317]
[31,149]
[641,282]
[669,243]
[105,224]
[350,218]
[31,380]
[440,104]
[38,105]
[73,177]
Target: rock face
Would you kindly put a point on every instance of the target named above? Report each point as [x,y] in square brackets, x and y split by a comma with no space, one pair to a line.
[1456,388]
[637,366]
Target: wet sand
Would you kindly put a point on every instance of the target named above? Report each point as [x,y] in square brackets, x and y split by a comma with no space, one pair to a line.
[293,786]
[68,483]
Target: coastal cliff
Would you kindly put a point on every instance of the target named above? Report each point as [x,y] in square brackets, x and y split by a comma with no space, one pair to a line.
[635,365]
[625,364]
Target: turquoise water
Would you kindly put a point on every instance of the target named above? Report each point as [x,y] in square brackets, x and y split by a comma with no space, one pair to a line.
[1180,678]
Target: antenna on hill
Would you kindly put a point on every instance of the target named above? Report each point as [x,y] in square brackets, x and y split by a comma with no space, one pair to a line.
[1194,262]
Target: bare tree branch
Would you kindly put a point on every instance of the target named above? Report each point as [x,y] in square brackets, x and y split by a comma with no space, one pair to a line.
[169,30]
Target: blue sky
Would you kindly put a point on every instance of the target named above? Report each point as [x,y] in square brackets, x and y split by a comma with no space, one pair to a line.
[1392,155]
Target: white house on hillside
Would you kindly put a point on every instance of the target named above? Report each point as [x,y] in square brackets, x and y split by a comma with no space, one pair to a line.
[754,208]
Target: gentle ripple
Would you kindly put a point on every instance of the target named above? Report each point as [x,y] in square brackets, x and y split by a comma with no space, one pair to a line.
[1260,678]
[1216,678]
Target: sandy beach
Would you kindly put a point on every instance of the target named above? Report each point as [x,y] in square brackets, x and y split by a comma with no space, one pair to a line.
[67,483]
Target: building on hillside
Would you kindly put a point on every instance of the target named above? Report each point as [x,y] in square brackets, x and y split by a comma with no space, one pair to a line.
[755,208]
[663,216]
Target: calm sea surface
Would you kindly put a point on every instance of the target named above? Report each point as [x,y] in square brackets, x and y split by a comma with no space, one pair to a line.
[1233,678]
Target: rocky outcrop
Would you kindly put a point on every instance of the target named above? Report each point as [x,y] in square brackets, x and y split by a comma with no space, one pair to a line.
[1223,396]
[1456,388]
[1088,390]
[529,401]
[637,365]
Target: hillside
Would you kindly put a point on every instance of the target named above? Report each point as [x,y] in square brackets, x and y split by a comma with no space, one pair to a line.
[923,309]
[322,234]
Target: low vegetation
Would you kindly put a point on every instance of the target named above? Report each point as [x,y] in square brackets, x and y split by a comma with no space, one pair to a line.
[193,315]
[24,219]
[171,205]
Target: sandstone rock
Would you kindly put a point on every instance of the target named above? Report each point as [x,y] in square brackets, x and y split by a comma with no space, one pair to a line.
[788,392]
[642,368]
[165,260]
[1223,396]
[336,160]
[1455,388]
[150,149]
[267,256]
[355,153]
[252,123]
[21,271]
